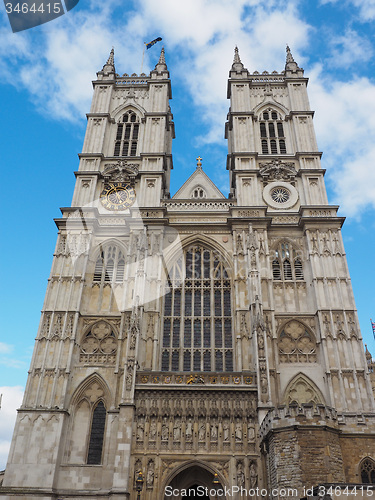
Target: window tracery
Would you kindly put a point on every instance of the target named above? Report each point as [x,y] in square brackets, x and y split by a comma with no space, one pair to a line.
[367,470]
[109,266]
[126,142]
[296,344]
[94,455]
[286,265]
[272,132]
[197,332]
[198,192]
[99,344]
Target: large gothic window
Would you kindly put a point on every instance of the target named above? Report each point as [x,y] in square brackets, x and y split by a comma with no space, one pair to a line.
[109,266]
[287,264]
[367,470]
[197,334]
[272,134]
[126,143]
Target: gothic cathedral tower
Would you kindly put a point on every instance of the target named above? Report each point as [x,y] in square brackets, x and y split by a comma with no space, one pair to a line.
[196,341]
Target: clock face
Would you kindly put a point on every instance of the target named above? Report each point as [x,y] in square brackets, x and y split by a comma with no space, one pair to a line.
[117,196]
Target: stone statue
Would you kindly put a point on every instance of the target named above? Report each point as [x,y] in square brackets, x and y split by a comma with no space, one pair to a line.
[240,474]
[253,475]
[177,430]
[164,430]
[238,431]
[250,432]
[140,429]
[153,430]
[202,431]
[189,429]
[150,474]
[225,430]
[214,431]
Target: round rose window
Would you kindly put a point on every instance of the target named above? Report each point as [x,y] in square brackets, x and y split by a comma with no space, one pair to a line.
[280,194]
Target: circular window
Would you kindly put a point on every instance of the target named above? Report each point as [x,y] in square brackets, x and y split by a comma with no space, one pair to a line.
[280,194]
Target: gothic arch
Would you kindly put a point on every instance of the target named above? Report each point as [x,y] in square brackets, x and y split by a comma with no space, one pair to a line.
[366,470]
[117,113]
[191,479]
[301,389]
[96,382]
[258,110]
[296,343]
[177,248]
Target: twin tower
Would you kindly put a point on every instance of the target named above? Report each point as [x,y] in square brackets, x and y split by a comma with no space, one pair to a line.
[196,341]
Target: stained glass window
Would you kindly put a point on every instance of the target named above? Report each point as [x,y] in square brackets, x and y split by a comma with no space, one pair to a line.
[197,332]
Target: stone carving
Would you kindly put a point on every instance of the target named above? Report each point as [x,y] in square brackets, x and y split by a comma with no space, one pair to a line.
[226,430]
[164,430]
[150,474]
[302,391]
[177,430]
[122,171]
[137,469]
[296,344]
[140,429]
[240,474]
[214,430]
[129,374]
[189,429]
[253,475]
[277,170]
[202,431]
[153,430]
[238,430]
[250,432]
[99,344]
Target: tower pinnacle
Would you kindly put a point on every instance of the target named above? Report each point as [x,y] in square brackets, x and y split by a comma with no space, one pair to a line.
[161,65]
[290,63]
[237,63]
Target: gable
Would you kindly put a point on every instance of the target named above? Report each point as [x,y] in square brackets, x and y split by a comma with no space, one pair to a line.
[198,186]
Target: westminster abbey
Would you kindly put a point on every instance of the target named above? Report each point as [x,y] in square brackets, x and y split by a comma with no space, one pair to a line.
[197,344]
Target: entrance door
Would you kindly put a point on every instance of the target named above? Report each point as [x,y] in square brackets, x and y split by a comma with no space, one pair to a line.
[193,483]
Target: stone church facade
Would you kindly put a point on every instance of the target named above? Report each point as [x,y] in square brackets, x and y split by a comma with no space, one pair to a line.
[196,339]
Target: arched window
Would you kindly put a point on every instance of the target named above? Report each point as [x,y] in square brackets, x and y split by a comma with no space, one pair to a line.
[109,266]
[94,455]
[126,143]
[367,470]
[286,265]
[272,132]
[198,192]
[197,331]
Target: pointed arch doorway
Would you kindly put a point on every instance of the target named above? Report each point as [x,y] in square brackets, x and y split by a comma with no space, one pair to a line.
[193,482]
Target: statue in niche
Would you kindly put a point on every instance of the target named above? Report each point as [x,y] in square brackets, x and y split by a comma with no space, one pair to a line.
[137,469]
[189,429]
[240,475]
[239,244]
[140,429]
[150,474]
[153,430]
[177,430]
[202,431]
[214,431]
[238,430]
[253,475]
[226,430]
[250,432]
[164,429]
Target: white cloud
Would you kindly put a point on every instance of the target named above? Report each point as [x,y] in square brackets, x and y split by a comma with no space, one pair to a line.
[345,121]
[11,400]
[5,348]
[350,48]
[366,7]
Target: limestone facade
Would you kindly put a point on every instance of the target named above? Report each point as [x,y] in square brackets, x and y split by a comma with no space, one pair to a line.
[196,339]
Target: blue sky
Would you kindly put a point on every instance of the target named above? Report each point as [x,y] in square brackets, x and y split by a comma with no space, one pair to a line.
[45,91]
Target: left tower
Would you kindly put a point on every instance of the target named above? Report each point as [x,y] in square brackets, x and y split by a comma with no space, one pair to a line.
[87,348]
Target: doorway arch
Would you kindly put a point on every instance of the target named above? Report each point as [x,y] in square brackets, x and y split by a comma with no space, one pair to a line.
[192,478]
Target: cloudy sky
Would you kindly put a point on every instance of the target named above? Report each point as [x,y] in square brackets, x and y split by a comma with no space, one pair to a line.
[46,90]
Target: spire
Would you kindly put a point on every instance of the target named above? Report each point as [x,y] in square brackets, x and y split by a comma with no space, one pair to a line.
[161,65]
[110,64]
[290,64]
[237,63]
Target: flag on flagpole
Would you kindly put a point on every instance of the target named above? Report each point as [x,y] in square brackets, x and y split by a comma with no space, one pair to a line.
[150,44]
[373,327]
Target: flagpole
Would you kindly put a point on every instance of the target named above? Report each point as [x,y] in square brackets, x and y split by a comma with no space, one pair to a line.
[143,56]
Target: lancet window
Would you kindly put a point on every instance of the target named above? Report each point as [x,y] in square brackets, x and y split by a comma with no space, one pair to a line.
[272,133]
[197,331]
[287,264]
[109,266]
[95,450]
[126,142]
